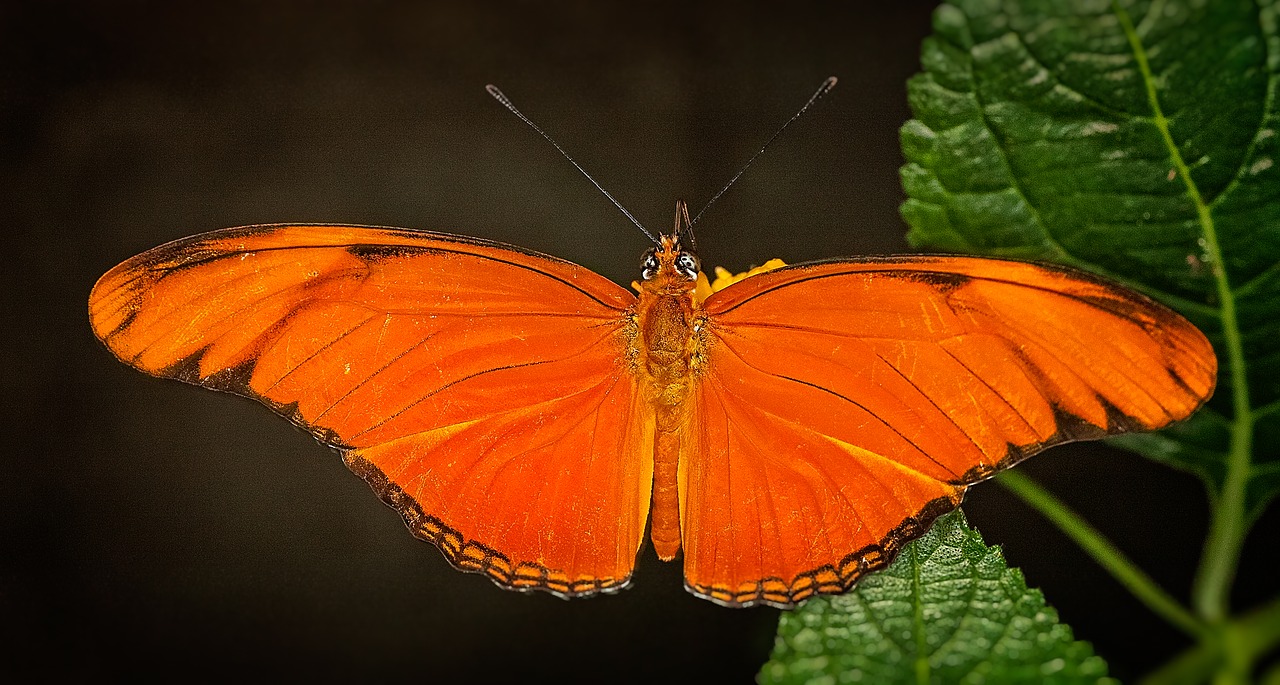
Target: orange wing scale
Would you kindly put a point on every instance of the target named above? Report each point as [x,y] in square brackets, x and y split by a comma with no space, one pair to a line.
[480,390]
[856,401]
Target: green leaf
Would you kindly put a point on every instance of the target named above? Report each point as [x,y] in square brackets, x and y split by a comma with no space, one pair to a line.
[948,610]
[1139,140]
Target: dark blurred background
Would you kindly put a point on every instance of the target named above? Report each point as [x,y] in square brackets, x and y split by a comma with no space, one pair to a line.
[147,527]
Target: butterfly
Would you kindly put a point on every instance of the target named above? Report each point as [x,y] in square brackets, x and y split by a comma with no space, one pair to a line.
[787,431]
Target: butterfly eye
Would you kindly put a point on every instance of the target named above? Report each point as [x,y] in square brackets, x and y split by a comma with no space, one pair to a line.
[649,265]
[687,265]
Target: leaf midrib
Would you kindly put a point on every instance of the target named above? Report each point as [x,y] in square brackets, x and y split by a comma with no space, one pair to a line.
[922,669]
[1227,527]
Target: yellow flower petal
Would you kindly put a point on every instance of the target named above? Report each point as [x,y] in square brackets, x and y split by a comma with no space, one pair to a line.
[724,279]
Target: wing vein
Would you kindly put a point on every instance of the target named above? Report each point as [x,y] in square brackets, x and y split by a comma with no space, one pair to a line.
[509,460]
[820,472]
[170,270]
[944,414]
[192,317]
[395,358]
[833,393]
[318,352]
[995,392]
[478,374]
[1038,341]
[898,273]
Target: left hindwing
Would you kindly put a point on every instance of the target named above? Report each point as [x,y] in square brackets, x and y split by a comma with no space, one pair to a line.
[855,401]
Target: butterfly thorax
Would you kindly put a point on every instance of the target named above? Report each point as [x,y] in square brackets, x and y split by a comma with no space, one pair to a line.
[668,346]
[669,350]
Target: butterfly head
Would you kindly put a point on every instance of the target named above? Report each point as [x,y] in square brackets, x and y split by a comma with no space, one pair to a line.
[669,267]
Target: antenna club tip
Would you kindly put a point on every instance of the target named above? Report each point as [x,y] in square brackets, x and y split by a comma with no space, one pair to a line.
[830,83]
[502,98]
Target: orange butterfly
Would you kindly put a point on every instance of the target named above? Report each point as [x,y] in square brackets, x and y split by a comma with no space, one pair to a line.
[789,431]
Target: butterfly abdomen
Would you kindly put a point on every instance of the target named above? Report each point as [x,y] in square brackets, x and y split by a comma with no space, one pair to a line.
[668,342]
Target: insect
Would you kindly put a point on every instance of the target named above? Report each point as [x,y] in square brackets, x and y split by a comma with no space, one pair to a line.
[787,432]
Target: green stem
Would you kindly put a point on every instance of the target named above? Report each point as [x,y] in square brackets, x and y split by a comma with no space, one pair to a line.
[1251,635]
[1228,522]
[1106,554]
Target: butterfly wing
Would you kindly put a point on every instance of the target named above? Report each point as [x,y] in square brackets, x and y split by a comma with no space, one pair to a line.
[481,390]
[847,404]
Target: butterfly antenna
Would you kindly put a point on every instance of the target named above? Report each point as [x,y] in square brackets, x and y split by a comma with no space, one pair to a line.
[825,88]
[506,102]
